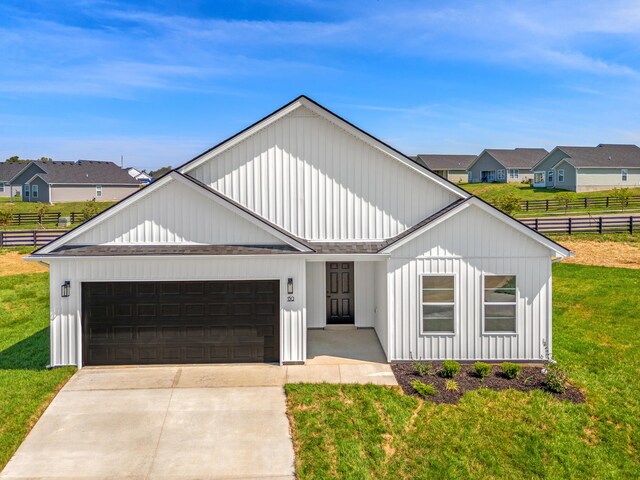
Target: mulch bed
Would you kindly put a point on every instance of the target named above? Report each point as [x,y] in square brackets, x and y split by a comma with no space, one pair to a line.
[530,378]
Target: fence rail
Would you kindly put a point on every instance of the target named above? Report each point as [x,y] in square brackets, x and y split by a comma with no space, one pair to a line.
[49,217]
[584,202]
[571,225]
[29,238]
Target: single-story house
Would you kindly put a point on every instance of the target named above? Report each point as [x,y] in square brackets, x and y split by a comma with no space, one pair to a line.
[7,171]
[505,165]
[588,169]
[452,167]
[301,221]
[53,182]
[142,177]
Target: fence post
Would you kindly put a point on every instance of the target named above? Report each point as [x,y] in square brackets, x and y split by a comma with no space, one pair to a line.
[35,239]
[1,239]
[569,225]
[536,224]
[631,225]
[607,201]
[526,205]
[547,207]
[600,226]
[586,203]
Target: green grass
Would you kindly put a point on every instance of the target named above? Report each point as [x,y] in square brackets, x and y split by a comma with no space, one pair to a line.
[31,207]
[354,431]
[596,237]
[26,386]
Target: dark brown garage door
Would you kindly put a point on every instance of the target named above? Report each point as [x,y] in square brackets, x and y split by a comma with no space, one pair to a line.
[132,323]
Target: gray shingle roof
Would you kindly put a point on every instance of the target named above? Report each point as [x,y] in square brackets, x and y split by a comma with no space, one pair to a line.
[524,158]
[445,162]
[129,250]
[604,155]
[85,172]
[9,170]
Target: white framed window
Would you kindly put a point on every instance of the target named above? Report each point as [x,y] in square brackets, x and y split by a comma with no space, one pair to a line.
[538,178]
[501,174]
[98,191]
[624,173]
[550,176]
[560,176]
[26,191]
[514,173]
[34,191]
[2,186]
[499,304]
[469,176]
[438,303]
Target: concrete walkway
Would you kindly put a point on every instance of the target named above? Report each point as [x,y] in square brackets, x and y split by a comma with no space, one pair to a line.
[179,422]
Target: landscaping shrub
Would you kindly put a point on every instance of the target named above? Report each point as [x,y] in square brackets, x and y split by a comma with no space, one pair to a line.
[6,217]
[556,378]
[89,210]
[509,204]
[424,389]
[482,369]
[451,385]
[510,370]
[423,369]
[450,368]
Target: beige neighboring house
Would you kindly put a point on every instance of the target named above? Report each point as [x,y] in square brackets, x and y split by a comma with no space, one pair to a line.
[496,165]
[452,167]
[589,169]
[53,182]
[7,171]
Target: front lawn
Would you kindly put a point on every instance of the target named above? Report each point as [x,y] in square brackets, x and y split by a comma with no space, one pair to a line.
[26,386]
[349,431]
[491,192]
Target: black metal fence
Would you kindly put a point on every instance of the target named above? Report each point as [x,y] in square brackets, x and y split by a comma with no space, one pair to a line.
[570,225]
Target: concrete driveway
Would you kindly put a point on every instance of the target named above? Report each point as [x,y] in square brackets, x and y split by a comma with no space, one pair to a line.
[162,422]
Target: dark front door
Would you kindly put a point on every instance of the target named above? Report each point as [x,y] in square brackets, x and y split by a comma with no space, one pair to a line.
[133,323]
[340,292]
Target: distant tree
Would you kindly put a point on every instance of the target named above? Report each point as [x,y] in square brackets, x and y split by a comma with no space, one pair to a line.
[159,172]
[41,209]
[89,210]
[15,159]
[45,159]
[622,195]
[565,199]
[509,204]
[6,214]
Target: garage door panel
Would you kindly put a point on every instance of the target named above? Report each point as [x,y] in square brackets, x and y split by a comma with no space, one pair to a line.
[180,322]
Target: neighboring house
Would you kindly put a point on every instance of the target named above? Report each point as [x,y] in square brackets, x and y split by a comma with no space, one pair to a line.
[452,167]
[300,221]
[588,169]
[505,165]
[7,171]
[141,177]
[53,182]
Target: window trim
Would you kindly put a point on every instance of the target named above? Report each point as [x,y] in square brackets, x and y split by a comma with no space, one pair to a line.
[98,191]
[550,177]
[35,191]
[26,191]
[561,175]
[2,184]
[514,173]
[624,175]
[500,174]
[483,303]
[456,303]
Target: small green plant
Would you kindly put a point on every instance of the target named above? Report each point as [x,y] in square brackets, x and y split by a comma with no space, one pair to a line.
[422,368]
[424,389]
[564,199]
[510,370]
[555,376]
[622,195]
[6,216]
[89,210]
[482,369]
[450,368]
[451,385]
[509,204]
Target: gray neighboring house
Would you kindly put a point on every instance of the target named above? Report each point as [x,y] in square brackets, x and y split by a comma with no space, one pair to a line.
[53,182]
[7,171]
[452,167]
[589,169]
[495,165]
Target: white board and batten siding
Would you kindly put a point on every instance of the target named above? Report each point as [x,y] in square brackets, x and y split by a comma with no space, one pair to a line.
[319,182]
[469,245]
[66,348]
[175,213]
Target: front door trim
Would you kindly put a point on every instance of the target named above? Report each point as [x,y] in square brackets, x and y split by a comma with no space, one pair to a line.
[340,291]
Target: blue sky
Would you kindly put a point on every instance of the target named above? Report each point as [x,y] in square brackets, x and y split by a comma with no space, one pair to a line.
[159,82]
